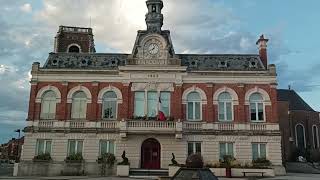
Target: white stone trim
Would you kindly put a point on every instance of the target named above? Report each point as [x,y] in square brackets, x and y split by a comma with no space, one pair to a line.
[234,95]
[79,88]
[107,89]
[304,134]
[48,88]
[264,94]
[194,89]
[152,86]
[74,44]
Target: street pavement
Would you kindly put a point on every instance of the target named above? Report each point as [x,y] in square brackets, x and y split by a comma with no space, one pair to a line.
[289,176]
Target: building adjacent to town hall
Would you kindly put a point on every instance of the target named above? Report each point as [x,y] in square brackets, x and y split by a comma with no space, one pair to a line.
[150,103]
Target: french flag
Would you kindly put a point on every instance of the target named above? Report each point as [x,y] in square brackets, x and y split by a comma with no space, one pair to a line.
[161,116]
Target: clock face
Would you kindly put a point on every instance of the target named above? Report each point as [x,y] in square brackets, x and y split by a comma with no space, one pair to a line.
[153,48]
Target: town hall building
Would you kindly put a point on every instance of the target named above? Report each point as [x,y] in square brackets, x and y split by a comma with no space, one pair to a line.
[149,103]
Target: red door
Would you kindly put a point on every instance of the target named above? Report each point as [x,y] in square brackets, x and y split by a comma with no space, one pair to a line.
[150,154]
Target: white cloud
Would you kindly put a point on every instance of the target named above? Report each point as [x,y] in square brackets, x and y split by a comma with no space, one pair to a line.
[196,26]
[26,8]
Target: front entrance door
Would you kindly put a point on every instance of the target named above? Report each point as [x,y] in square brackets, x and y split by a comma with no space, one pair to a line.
[150,154]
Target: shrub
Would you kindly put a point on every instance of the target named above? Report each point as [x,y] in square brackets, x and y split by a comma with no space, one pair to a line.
[75,157]
[227,161]
[260,162]
[43,157]
[107,158]
[194,161]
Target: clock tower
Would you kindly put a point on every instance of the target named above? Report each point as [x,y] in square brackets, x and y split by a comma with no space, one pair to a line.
[153,46]
[154,17]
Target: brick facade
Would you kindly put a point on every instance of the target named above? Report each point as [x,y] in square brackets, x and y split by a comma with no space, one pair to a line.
[178,110]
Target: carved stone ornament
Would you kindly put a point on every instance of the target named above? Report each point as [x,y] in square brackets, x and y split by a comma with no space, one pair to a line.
[152,86]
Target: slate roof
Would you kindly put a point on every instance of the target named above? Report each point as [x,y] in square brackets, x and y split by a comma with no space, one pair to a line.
[295,101]
[194,62]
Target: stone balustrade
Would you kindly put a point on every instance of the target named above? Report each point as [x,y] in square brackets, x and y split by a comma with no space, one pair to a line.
[155,126]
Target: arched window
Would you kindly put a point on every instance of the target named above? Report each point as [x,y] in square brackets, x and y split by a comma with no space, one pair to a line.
[225,107]
[194,106]
[48,105]
[256,107]
[74,49]
[315,135]
[79,105]
[300,136]
[109,107]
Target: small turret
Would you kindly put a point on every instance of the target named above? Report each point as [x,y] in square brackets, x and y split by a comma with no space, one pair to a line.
[154,17]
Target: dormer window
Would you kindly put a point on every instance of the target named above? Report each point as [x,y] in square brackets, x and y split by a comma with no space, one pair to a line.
[223,64]
[253,64]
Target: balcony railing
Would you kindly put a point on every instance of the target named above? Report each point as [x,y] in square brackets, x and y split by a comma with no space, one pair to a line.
[155,126]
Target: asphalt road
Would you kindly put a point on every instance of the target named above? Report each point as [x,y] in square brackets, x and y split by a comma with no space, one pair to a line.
[290,176]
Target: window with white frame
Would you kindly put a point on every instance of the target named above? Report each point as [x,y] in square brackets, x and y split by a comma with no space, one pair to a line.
[225,107]
[165,103]
[256,107]
[194,106]
[109,106]
[226,148]
[150,103]
[259,151]
[194,147]
[79,105]
[107,146]
[75,147]
[315,134]
[48,105]
[43,146]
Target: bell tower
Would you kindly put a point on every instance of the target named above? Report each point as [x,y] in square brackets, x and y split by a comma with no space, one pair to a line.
[154,17]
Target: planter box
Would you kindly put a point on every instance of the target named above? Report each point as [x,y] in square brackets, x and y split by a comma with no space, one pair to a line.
[74,161]
[173,170]
[41,161]
[220,172]
[123,170]
[237,172]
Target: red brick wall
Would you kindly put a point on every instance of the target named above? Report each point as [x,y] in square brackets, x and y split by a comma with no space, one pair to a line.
[178,110]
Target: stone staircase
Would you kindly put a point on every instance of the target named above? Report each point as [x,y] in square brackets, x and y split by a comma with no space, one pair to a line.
[148,173]
[299,167]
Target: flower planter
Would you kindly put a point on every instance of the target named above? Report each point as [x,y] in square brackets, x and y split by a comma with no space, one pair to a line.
[173,170]
[123,170]
[220,172]
[41,161]
[237,172]
[74,161]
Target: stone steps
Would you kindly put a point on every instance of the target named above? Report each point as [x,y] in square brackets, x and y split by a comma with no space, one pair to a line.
[148,173]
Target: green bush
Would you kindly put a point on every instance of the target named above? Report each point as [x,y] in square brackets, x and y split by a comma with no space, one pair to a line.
[107,158]
[261,162]
[75,157]
[43,157]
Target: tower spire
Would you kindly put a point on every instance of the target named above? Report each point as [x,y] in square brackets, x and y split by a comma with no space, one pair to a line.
[154,17]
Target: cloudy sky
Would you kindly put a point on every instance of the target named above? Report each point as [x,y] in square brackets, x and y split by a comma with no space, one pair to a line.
[28,27]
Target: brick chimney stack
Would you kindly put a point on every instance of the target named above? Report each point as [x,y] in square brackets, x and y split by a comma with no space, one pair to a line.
[262,45]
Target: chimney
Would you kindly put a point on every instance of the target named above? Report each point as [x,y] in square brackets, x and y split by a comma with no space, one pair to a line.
[262,45]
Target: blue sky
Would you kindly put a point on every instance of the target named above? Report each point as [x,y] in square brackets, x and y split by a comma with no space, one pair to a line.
[28,28]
